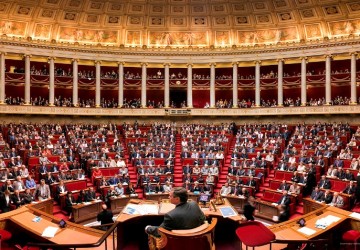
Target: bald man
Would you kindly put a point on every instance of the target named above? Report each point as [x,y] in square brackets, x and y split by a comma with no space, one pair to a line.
[105,216]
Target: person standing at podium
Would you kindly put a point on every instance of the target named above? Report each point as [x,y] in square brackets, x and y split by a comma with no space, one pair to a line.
[185,215]
[105,217]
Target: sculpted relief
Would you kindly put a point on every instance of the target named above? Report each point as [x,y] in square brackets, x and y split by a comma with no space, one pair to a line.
[13,28]
[88,36]
[347,27]
[289,34]
[178,38]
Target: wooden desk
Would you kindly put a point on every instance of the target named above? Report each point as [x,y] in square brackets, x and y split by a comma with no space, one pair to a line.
[289,229]
[237,202]
[86,211]
[311,205]
[117,204]
[45,206]
[72,234]
[265,210]
[156,196]
[132,225]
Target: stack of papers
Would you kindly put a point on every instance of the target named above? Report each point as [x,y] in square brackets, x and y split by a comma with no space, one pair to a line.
[49,232]
[141,209]
[307,231]
[355,215]
[326,221]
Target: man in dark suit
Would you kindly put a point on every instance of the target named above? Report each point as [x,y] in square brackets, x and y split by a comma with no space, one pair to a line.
[90,194]
[350,189]
[282,166]
[283,186]
[105,217]
[285,199]
[16,199]
[324,183]
[320,161]
[284,213]
[186,215]
[187,169]
[317,194]
[327,197]
[5,201]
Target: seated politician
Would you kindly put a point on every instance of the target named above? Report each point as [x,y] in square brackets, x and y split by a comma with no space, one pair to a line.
[186,215]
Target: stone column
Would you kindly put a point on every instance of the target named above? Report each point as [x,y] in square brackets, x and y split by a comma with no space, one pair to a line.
[235,84]
[280,82]
[353,79]
[143,84]
[75,83]
[167,85]
[189,86]
[212,85]
[328,79]
[257,83]
[303,81]
[51,61]
[121,85]
[27,79]
[97,84]
[2,78]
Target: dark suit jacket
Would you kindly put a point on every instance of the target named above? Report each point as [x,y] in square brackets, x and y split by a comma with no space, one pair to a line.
[185,216]
[284,186]
[105,216]
[90,196]
[4,205]
[349,190]
[318,196]
[16,200]
[325,184]
[284,216]
[328,198]
[284,200]
[249,211]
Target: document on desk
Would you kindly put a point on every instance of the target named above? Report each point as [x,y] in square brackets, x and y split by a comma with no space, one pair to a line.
[131,209]
[49,232]
[355,215]
[148,209]
[227,211]
[307,231]
[141,209]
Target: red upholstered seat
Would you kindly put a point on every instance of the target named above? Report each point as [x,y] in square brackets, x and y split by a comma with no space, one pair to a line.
[5,235]
[351,236]
[254,234]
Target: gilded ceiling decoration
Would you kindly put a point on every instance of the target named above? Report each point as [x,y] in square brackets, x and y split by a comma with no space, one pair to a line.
[179,23]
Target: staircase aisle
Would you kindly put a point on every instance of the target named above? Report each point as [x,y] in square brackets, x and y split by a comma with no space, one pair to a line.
[131,169]
[224,170]
[178,178]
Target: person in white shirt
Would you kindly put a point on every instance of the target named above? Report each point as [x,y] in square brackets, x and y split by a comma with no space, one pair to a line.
[214,170]
[269,157]
[111,162]
[120,163]
[119,189]
[167,187]
[301,168]
[292,159]
[225,190]
[219,156]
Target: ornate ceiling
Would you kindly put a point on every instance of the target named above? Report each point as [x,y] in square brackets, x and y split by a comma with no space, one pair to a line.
[179,23]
